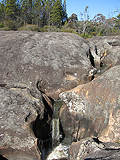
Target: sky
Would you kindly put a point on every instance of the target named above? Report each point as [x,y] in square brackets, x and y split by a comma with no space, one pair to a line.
[105,7]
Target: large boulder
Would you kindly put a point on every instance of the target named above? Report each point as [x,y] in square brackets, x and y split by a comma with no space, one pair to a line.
[92,148]
[93,109]
[57,60]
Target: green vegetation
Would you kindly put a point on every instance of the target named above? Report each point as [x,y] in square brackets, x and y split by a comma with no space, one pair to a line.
[51,16]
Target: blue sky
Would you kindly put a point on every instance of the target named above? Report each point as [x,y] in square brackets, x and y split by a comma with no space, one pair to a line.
[104,7]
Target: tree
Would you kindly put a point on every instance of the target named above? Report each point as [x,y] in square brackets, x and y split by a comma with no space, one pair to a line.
[2,11]
[64,12]
[27,8]
[56,13]
[11,9]
[85,19]
[99,22]
[38,12]
[72,20]
[117,25]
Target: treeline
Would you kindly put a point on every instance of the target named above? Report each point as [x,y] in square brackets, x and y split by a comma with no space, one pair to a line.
[51,15]
[38,12]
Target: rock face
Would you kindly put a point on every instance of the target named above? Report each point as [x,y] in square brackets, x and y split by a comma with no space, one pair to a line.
[93,109]
[18,111]
[105,50]
[58,60]
[25,122]
[53,63]
[92,148]
[49,62]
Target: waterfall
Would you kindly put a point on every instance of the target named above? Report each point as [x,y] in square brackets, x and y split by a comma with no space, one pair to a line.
[60,145]
[56,124]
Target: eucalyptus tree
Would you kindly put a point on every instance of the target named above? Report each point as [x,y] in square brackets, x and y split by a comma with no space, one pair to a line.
[84,19]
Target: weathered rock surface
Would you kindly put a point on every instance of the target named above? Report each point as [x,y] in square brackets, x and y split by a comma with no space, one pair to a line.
[58,60]
[93,109]
[105,50]
[18,111]
[92,149]
[53,63]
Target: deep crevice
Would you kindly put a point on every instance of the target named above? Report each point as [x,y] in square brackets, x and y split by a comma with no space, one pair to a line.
[91,58]
[42,128]
[3,158]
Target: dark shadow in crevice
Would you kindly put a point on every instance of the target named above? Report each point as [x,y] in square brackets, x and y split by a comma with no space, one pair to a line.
[91,58]
[3,158]
[42,127]
[42,130]
[48,109]
[96,50]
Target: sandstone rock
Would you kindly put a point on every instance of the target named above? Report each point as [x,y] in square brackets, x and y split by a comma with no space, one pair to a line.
[89,148]
[58,60]
[93,109]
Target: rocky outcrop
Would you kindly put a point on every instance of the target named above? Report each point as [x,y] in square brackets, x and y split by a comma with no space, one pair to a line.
[105,51]
[92,148]
[49,62]
[53,63]
[25,122]
[58,60]
[93,109]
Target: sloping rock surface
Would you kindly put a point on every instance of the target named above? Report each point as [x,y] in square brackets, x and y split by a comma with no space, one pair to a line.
[58,60]
[93,108]
[92,149]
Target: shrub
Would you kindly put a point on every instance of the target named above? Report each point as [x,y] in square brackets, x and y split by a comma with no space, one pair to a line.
[45,29]
[86,35]
[50,29]
[29,27]
[70,30]
[9,25]
[1,25]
